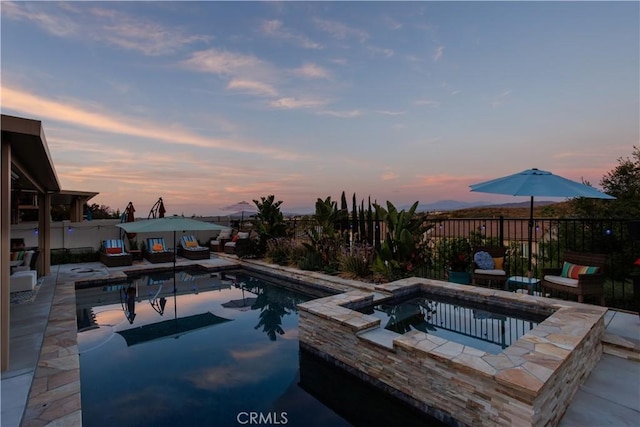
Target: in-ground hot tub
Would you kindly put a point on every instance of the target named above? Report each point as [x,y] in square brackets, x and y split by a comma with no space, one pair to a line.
[530,382]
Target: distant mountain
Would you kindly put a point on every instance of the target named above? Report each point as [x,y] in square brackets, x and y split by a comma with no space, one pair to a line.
[446,205]
[439,206]
[454,205]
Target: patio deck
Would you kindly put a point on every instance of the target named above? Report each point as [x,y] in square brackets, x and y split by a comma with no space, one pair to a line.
[42,385]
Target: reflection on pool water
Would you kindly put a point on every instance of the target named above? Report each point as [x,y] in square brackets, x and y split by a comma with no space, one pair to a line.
[220,349]
[486,328]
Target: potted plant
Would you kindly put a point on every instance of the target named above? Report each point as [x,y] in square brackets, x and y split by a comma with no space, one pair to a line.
[459,261]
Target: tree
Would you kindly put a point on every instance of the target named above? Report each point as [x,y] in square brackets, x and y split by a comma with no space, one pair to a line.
[623,183]
[268,222]
[103,212]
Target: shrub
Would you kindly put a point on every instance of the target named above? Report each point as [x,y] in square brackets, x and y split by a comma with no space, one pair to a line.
[357,262]
[312,261]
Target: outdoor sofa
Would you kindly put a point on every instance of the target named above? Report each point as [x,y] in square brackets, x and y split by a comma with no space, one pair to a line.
[581,274]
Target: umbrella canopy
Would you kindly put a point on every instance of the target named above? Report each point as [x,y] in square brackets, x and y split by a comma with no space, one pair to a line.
[242,208]
[171,223]
[242,304]
[537,183]
[170,328]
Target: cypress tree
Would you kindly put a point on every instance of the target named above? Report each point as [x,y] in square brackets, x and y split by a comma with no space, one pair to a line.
[369,224]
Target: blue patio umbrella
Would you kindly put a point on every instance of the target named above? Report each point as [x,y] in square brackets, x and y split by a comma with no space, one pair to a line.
[537,183]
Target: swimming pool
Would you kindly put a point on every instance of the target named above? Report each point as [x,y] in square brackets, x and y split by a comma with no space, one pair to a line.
[486,328]
[221,350]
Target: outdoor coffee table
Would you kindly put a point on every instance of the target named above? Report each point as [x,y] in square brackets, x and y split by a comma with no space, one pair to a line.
[522,281]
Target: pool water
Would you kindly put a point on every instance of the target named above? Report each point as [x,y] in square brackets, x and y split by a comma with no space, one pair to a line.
[222,350]
[486,328]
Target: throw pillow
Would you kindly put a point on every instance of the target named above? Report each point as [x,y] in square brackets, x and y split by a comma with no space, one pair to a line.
[572,271]
[235,238]
[113,251]
[498,263]
[483,260]
[192,244]
[158,247]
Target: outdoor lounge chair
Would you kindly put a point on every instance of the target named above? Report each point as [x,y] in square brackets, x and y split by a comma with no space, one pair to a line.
[190,249]
[240,238]
[112,253]
[156,251]
[217,244]
[581,274]
[498,271]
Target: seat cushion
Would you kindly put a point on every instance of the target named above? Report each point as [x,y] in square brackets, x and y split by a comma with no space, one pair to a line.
[559,280]
[574,270]
[492,272]
[483,260]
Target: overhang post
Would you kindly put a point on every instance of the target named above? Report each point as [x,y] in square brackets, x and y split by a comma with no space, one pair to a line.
[5,239]
[44,233]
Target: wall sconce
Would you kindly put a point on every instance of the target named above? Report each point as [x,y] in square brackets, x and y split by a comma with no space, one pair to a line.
[608,232]
[35,231]
[70,229]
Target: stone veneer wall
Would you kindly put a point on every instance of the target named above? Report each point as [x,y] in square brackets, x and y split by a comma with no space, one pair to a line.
[529,383]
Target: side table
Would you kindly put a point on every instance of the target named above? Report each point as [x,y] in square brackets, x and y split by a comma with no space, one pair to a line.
[136,254]
[522,281]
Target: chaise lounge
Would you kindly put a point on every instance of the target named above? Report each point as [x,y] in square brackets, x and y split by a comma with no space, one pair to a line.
[156,251]
[190,249]
[112,253]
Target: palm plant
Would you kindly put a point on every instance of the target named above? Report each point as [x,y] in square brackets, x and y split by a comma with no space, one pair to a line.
[268,222]
[325,240]
[402,249]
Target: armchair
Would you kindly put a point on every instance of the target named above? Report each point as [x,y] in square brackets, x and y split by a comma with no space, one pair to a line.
[217,244]
[498,271]
[581,274]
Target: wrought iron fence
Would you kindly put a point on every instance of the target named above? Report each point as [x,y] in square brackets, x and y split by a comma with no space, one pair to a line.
[550,239]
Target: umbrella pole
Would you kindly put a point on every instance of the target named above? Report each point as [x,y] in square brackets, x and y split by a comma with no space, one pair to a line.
[174,261]
[530,237]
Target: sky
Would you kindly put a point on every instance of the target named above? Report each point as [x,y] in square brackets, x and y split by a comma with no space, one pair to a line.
[206,104]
